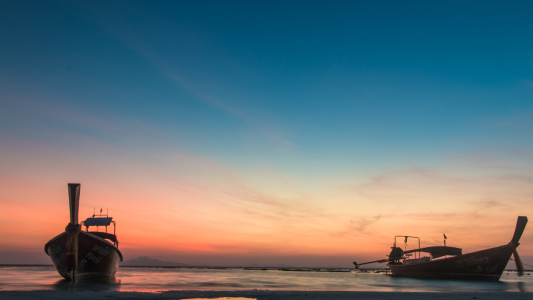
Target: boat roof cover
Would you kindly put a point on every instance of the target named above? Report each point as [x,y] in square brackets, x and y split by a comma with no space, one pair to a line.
[105,235]
[97,221]
[438,251]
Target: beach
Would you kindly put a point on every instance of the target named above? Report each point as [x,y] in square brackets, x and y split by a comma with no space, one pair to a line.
[262,295]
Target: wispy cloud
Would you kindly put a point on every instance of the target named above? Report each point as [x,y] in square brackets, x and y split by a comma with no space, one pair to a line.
[363,223]
[439,217]
[420,185]
[490,203]
[214,92]
[61,117]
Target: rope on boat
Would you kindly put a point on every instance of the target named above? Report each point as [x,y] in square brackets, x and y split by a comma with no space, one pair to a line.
[72,232]
[523,263]
[383,267]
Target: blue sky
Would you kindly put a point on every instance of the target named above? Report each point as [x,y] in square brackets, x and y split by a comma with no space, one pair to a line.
[385,73]
[293,96]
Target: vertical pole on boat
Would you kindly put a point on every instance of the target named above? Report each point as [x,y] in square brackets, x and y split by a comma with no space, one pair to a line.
[418,248]
[73,228]
[445,238]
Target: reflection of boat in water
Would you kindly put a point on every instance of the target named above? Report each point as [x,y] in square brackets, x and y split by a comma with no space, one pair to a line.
[79,255]
[449,262]
[106,284]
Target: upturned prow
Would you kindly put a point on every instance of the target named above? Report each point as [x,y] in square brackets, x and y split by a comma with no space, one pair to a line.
[74,201]
[520,226]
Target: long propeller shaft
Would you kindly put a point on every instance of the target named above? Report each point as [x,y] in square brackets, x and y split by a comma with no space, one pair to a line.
[370,262]
[518,262]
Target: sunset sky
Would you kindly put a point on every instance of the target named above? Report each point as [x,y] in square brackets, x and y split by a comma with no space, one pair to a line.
[305,133]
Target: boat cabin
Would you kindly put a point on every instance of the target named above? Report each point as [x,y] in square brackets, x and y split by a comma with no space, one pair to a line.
[101,220]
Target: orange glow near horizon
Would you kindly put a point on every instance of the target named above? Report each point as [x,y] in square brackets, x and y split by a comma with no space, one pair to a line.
[187,222]
[192,210]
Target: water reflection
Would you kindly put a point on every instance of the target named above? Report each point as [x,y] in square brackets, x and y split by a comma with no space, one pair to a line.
[109,284]
[164,279]
[521,287]
[223,298]
[401,284]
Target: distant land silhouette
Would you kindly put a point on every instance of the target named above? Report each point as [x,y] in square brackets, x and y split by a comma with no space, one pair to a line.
[145,261]
[267,266]
[283,266]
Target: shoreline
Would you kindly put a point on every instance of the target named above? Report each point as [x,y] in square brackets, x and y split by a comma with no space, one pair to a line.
[261,295]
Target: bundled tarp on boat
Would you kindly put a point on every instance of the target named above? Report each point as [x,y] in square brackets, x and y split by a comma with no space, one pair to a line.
[438,251]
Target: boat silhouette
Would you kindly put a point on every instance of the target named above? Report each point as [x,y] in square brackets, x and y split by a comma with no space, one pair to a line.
[449,262]
[80,255]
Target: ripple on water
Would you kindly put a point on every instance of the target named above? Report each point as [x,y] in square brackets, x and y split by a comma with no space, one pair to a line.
[165,279]
[223,298]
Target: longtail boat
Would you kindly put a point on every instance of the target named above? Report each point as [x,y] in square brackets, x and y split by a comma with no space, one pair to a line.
[80,255]
[450,263]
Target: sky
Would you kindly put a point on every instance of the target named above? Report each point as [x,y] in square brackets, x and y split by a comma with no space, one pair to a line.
[233,133]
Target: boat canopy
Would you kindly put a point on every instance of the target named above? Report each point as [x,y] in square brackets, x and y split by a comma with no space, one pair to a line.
[438,251]
[97,221]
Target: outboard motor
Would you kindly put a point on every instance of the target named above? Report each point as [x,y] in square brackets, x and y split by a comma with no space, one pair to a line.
[395,254]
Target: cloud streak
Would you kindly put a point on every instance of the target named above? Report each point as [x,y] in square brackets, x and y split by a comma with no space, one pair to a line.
[363,223]
[210,91]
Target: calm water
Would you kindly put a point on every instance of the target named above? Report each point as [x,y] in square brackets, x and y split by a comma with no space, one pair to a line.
[162,279]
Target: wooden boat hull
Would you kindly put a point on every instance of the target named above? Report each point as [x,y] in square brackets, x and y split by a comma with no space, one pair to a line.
[96,258]
[486,264]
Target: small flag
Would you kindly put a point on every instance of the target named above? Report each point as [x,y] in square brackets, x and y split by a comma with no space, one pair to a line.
[444,236]
[100,210]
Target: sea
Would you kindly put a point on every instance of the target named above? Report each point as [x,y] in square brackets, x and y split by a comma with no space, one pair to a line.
[158,279]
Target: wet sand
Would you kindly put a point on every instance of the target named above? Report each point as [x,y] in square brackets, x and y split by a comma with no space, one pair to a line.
[263,295]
